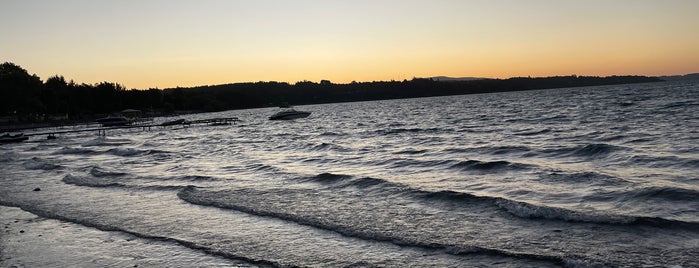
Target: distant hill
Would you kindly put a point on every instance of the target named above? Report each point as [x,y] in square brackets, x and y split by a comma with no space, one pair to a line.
[265,94]
[450,79]
[694,76]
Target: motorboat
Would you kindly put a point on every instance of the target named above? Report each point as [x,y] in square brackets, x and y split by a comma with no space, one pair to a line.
[114,120]
[288,113]
[10,138]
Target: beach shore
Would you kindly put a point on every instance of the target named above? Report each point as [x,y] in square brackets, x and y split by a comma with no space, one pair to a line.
[27,240]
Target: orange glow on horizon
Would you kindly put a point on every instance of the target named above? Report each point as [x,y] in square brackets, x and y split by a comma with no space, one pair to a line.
[169,44]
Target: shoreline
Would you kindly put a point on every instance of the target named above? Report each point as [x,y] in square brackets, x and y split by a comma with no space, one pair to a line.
[28,240]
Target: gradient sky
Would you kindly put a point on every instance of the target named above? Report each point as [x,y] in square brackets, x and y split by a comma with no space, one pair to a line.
[168,43]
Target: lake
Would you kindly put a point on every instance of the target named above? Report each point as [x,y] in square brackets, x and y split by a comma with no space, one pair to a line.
[573,177]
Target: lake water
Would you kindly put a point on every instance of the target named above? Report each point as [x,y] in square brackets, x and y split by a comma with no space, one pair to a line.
[578,177]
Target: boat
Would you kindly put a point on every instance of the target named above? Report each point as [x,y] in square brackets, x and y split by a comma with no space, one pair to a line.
[288,113]
[9,138]
[114,120]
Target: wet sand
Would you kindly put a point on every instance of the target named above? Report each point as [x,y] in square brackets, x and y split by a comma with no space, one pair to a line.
[27,240]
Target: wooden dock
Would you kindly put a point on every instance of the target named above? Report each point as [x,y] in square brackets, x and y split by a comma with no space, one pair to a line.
[102,130]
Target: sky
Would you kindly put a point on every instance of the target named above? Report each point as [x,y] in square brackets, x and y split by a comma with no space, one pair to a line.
[168,43]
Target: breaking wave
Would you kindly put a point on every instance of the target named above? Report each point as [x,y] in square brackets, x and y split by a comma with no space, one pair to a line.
[218,199]
[103,141]
[91,181]
[36,163]
[517,208]
[98,172]
[128,152]
[76,151]
[531,211]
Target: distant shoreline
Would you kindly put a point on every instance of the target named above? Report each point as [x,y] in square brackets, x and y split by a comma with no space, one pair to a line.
[86,119]
[27,100]
[267,94]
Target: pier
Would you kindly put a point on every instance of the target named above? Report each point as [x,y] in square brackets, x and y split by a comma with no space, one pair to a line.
[102,130]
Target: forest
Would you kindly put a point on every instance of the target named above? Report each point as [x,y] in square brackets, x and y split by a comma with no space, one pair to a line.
[25,97]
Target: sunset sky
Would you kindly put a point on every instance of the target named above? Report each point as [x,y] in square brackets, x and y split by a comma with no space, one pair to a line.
[168,43]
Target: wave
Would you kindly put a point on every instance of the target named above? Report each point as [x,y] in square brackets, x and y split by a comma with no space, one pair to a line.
[492,150]
[111,228]
[319,161]
[625,103]
[116,183]
[517,208]
[7,156]
[664,161]
[126,152]
[590,178]
[261,167]
[331,134]
[411,152]
[36,163]
[98,172]
[680,104]
[587,151]
[102,141]
[219,199]
[368,182]
[612,137]
[692,163]
[346,181]
[90,181]
[328,147]
[393,131]
[595,149]
[665,193]
[468,165]
[531,211]
[555,117]
[162,187]
[326,178]
[76,151]
[526,210]
[408,162]
[640,140]
[533,132]
[194,178]
[489,166]
[497,150]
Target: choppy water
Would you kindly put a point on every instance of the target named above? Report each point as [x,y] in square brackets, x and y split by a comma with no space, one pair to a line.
[599,176]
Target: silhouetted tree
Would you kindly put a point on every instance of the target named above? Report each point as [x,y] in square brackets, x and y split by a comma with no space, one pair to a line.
[55,95]
[19,91]
[107,97]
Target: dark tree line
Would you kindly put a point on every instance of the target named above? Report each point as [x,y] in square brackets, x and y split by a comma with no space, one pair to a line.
[26,97]
[264,94]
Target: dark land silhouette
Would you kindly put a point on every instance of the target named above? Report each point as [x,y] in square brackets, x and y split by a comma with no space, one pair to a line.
[25,97]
